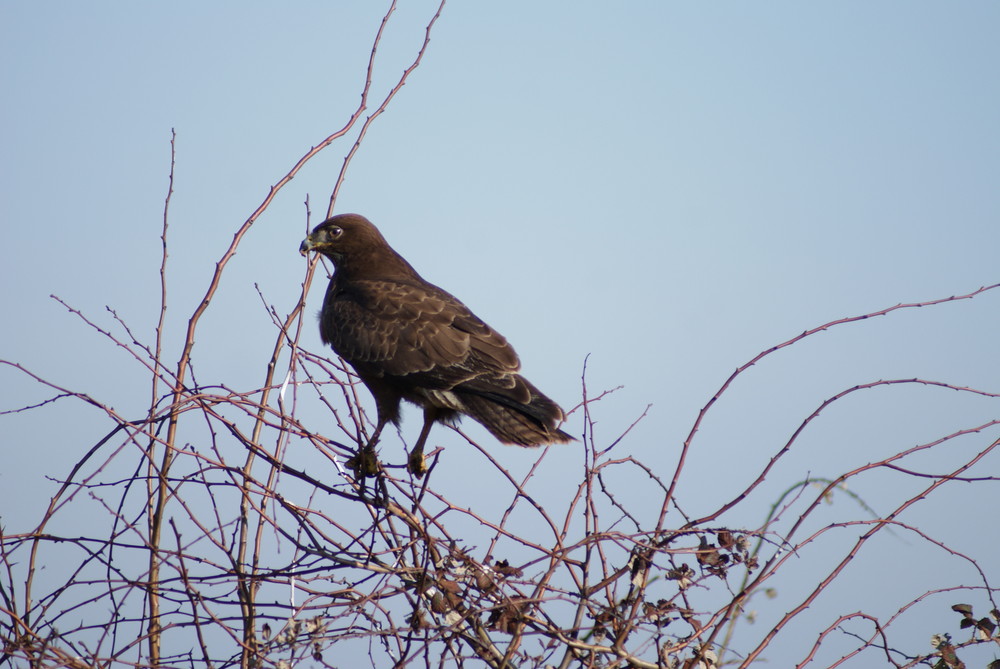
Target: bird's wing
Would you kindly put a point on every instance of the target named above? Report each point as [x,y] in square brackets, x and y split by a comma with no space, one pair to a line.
[398,329]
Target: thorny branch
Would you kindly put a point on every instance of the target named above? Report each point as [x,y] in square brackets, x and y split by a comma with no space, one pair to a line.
[387,565]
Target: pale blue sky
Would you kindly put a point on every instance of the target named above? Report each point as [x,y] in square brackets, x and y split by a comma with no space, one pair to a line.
[670,188]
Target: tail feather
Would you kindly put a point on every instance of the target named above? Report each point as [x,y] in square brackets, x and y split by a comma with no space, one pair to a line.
[531,423]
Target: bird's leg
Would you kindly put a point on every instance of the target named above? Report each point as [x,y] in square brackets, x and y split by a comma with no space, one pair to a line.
[365,463]
[416,464]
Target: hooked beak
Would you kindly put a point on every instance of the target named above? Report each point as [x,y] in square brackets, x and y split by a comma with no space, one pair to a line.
[306,246]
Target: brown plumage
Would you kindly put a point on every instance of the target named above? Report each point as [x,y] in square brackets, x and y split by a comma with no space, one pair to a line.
[409,340]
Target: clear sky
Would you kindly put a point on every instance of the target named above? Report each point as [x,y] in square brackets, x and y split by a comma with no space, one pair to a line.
[669,188]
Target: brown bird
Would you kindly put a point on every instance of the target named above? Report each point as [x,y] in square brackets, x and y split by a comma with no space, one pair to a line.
[409,340]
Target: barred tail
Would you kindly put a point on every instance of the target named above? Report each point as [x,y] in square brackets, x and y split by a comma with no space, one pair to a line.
[513,422]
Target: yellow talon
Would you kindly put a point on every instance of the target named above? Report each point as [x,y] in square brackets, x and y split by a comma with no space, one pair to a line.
[417,464]
[365,464]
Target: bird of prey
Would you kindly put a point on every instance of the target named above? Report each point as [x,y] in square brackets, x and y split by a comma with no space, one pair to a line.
[409,340]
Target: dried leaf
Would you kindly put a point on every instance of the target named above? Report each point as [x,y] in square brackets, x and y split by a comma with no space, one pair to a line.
[949,660]
[638,563]
[417,621]
[450,587]
[484,581]
[683,575]
[964,609]
[708,556]
[438,603]
[659,612]
[667,659]
[506,619]
[503,567]
[421,581]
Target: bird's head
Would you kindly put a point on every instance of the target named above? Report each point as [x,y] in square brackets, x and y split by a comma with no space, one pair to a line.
[356,247]
[342,237]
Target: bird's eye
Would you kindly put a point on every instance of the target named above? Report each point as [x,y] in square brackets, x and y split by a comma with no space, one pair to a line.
[335,232]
